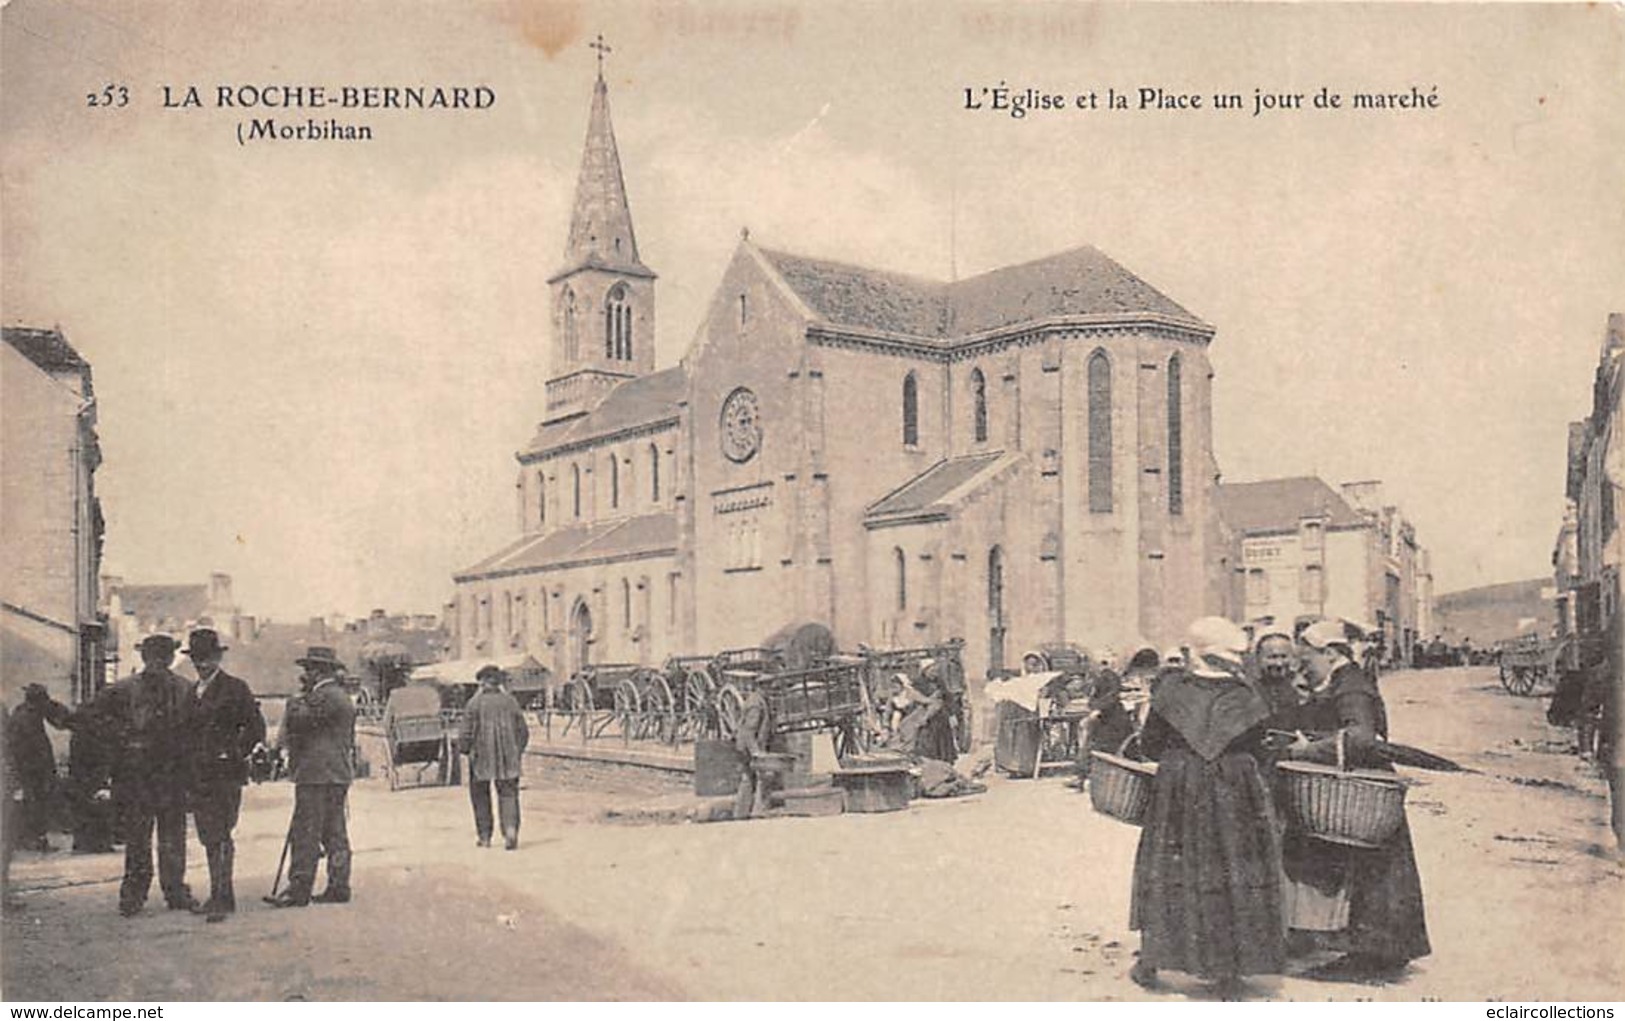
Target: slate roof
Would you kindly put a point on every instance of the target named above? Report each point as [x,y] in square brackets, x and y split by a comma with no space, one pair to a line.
[643,400]
[855,296]
[47,349]
[935,490]
[1277,505]
[643,535]
[1081,281]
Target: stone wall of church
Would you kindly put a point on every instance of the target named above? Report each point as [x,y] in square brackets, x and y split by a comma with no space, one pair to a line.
[755,508]
[618,478]
[628,612]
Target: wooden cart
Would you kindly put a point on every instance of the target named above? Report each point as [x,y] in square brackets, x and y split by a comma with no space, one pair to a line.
[420,735]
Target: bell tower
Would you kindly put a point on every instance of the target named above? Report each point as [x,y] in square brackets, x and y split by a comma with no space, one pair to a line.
[604,296]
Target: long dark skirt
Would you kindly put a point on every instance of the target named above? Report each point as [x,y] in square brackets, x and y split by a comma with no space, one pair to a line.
[1385,914]
[1207,880]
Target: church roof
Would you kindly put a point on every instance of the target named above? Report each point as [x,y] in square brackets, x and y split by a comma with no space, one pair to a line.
[1081,281]
[1277,505]
[644,535]
[935,491]
[601,235]
[641,401]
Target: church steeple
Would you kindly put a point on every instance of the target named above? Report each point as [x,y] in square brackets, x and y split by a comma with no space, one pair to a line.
[601,234]
[603,298]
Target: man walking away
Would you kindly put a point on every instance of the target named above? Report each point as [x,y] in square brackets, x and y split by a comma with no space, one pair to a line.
[320,731]
[229,727]
[494,737]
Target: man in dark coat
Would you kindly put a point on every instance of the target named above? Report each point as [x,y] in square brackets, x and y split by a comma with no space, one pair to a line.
[227,729]
[148,722]
[33,763]
[494,737]
[320,732]
[90,772]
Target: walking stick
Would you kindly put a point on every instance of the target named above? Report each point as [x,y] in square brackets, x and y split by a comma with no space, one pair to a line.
[282,862]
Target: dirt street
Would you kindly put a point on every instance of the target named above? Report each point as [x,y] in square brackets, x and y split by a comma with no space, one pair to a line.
[1021,893]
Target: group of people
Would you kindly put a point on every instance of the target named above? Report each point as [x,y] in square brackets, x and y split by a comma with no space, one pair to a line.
[168,747]
[171,746]
[1223,886]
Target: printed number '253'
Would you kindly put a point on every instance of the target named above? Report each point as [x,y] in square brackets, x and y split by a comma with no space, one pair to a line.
[111,95]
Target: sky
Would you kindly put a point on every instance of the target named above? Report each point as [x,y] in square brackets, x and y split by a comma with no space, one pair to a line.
[314,361]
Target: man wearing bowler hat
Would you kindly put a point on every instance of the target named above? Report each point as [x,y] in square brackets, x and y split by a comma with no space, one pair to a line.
[227,729]
[148,719]
[320,727]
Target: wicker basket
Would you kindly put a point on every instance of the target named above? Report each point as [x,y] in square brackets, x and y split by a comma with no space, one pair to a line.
[1121,788]
[1354,807]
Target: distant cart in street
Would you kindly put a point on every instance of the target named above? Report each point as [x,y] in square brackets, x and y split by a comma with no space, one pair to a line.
[1529,664]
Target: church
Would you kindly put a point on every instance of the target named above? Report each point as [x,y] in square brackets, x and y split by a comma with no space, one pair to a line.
[1018,457]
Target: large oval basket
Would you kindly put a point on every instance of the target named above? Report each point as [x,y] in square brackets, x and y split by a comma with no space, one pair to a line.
[1359,808]
[1121,788]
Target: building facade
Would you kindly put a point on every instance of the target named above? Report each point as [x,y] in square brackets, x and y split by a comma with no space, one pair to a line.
[134,611]
[1017,457]
[1303,549]
[50,519]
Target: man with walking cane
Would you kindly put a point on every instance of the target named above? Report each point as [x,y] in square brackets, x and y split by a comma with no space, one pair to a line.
[320,726]
[229,726]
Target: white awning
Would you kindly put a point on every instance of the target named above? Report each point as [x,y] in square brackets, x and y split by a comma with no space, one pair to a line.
[522,668]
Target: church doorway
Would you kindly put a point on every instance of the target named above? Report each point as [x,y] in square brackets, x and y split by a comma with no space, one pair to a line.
[995,611]
[580,635]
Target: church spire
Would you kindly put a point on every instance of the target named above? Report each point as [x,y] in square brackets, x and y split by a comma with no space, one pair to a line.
[601,235]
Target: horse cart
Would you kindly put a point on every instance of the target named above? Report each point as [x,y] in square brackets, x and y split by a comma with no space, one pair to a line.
[420,736]
[1528,663]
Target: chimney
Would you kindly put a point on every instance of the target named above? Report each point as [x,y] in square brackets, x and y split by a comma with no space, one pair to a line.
[1365,495]
[318,629]
[1615,338]
[220,591]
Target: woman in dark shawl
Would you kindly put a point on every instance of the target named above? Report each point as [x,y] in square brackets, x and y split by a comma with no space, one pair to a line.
[1383,925]
[1207,879]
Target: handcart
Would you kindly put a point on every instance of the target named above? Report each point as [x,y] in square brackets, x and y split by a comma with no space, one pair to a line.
[420,735]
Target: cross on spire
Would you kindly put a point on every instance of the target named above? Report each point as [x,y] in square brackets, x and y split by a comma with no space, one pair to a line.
[602,48]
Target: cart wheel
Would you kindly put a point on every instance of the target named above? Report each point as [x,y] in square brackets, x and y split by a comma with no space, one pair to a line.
[659,707]
[730,704]
[1523,680]
[699,702]
[628,707]
[1506,676]
[1536,676]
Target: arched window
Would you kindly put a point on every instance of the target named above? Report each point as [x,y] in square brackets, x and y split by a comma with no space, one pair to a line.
[507,613]
[572,342]
[575,479]
[617,324]
[626,604]
[1176,440]
[911,411]
[614,481]
[902,577]
[1100,433]
[978,389]
[541,497]
[654,473]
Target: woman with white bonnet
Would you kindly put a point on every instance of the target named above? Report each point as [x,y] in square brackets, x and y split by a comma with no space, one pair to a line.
[1207,876]
[1378,921]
